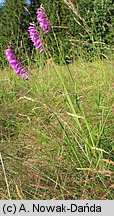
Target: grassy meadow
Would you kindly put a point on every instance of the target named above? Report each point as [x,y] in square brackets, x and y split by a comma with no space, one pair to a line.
[56,132]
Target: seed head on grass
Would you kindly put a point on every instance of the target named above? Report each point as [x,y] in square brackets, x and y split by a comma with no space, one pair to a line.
[15,63]
[43,20]
[36,38]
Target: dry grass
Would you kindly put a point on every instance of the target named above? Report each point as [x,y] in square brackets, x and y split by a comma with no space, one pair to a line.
[40,139]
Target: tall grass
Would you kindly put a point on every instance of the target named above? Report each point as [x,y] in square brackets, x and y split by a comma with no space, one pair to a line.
[56,129]
[57,133]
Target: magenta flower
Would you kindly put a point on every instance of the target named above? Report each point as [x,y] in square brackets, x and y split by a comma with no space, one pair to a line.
[43,20]
[15,63]
[35,37]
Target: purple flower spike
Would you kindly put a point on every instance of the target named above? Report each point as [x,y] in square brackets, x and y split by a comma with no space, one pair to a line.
[14,62]
[43,20]
[42,50]
[35,37]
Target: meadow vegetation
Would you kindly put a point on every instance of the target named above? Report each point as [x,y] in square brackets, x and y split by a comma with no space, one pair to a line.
[57,136]
[56,129]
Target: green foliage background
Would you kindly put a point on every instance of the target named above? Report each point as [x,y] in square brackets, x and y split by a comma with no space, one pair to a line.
[75,38]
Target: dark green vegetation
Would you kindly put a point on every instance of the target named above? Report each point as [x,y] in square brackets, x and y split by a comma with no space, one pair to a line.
[56,130]
[84,29]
